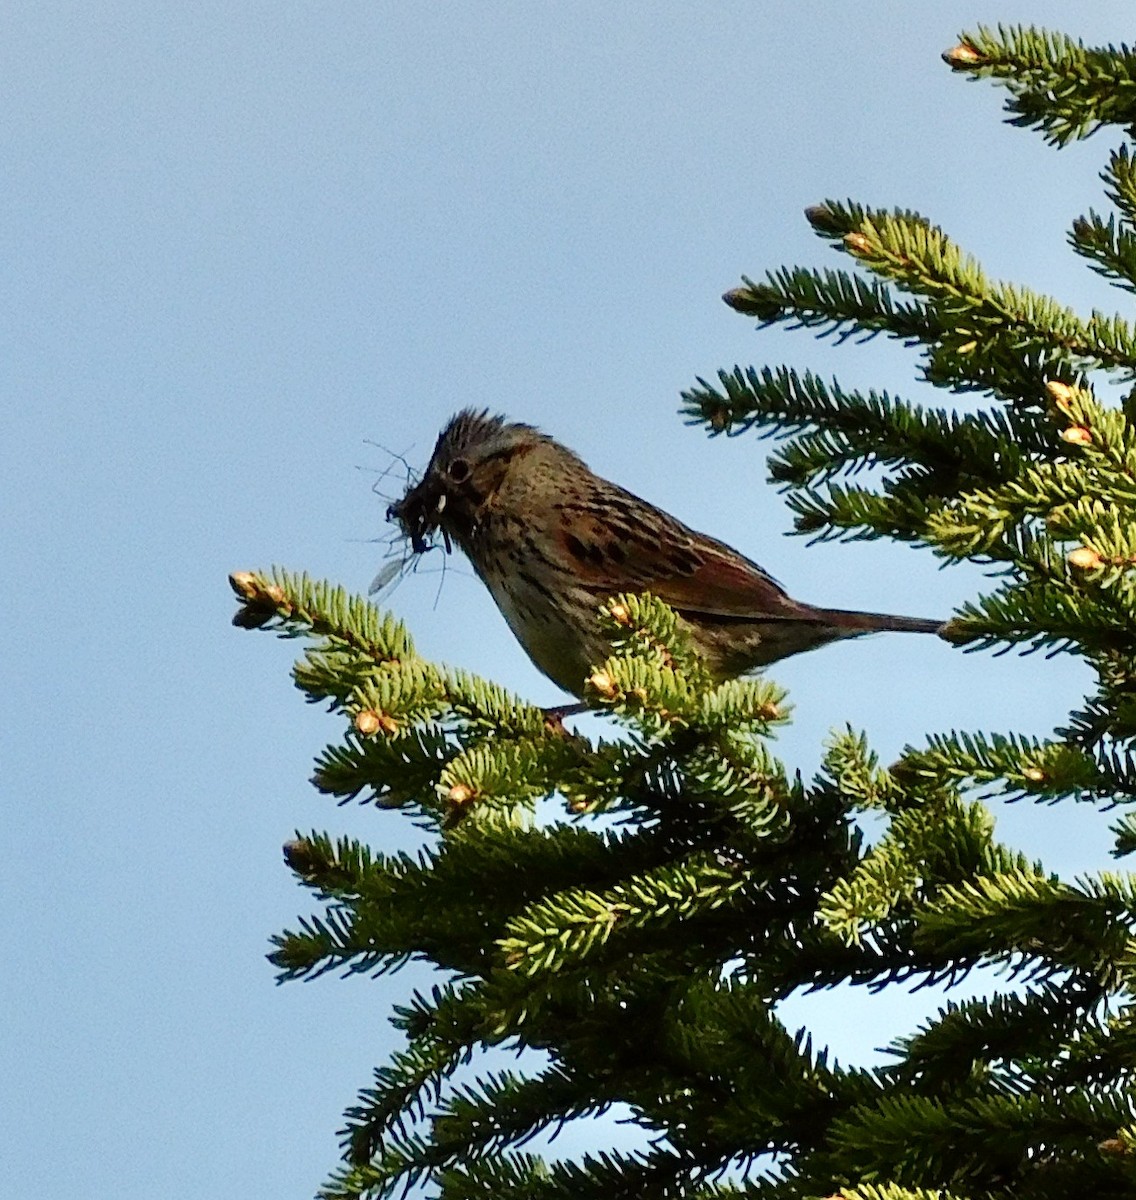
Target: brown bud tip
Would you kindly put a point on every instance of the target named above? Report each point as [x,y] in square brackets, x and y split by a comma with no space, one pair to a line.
[1034,774]
[857,243]
[1077,435]
[460,794]
[619,612]
[963,57]
[604,684]
[755,300]
[244,584]
[1113,1146]
[300,856]
[1084,559]
[769,712]
[1060,393]
[953,632]
[261,600]
[719,419]
[822,218]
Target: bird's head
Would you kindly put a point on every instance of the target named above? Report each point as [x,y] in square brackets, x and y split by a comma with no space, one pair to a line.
[470,461]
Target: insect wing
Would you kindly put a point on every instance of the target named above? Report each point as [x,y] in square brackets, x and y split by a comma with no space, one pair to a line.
[388,573]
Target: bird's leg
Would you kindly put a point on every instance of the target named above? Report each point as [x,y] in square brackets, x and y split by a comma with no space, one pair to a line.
[554,717]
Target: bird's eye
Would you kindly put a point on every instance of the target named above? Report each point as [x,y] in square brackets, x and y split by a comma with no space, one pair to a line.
[459,470]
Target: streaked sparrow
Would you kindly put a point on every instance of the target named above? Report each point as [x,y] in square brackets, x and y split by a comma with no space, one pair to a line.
[551,540]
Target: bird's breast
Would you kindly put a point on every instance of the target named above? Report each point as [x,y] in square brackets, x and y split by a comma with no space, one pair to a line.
[555,622]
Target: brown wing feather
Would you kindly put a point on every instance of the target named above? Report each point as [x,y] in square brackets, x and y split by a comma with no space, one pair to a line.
[614,549]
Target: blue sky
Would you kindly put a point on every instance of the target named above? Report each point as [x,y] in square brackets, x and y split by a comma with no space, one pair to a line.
[244,242]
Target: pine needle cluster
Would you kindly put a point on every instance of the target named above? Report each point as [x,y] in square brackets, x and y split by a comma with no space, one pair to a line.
[638,942]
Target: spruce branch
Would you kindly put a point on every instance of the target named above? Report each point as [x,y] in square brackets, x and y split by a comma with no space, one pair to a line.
[1006,913]
[933,1141]
[334,941]
[835,431]
[397,771]
[923,848]
[1042,616]
[1109,247]
[657,1175]
[894,1191]
[1125,831]
[1120,183]
[833,303]
[920,258]
[849,513]
[1057,85]
[954,1051]
[297,606]
[400,1093]
[566,929]
[1015,764]
[853,767]
[644,958]
[977,335]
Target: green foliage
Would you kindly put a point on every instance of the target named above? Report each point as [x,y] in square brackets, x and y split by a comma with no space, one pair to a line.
[1056,84]
[640,958]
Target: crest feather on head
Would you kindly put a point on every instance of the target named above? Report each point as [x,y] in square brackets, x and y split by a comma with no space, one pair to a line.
[480,434]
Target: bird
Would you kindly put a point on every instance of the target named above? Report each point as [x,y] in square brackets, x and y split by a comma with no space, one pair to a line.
[552,540]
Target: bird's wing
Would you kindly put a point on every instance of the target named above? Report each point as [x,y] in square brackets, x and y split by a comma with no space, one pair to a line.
[619,543]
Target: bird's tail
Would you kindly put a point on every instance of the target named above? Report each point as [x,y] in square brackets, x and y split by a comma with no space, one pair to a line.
[864,622]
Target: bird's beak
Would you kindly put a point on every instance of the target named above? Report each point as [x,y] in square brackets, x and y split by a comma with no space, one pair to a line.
[419,513]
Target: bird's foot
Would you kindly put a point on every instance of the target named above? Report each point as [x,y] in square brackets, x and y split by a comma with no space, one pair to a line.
[554,717]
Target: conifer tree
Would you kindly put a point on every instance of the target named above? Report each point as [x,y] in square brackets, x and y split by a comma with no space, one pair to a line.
[643,958]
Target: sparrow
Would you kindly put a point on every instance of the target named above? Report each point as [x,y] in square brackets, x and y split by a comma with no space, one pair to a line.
[551,540]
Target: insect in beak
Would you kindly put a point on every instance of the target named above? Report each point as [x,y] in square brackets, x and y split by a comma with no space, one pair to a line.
[418,516]
[386,576]
[439,508]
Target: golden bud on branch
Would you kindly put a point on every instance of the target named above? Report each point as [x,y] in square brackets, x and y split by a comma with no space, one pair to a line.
[244,584]
[1061,394]
[1084,558]
[460,794]
[261,601]
[1077,435]
[369,721]
[963,57]
[619,612]
[603,683]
